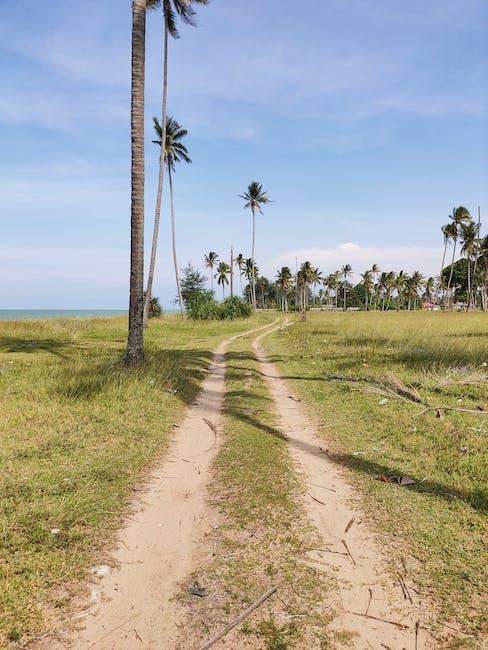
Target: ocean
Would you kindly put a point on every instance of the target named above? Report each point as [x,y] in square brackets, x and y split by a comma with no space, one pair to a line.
[29,314]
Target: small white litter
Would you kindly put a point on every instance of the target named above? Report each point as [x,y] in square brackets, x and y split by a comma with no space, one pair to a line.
[383,401]
[54,531]
[101,570]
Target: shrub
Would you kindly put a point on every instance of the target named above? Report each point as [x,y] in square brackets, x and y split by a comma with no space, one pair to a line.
[234,307]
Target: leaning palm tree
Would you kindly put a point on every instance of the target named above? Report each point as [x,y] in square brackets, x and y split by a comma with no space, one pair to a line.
[446,233]
[254,198]
[174,152]
[346,272]
[172,10]
[223,271]
[210,262]
[135,340]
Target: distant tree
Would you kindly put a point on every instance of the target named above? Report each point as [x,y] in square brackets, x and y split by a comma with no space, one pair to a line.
[459,216]
[346,272]
[284,282]
[223,271]
[368,285]
[175,151]
[211,262]
[240,263]
[254,198]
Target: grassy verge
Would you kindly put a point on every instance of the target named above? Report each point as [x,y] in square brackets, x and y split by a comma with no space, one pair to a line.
[347,367]
[78,432]
[261,536]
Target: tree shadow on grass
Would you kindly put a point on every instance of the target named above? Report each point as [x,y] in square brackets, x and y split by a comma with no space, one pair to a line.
[30,346]
[476,499]
[177,371]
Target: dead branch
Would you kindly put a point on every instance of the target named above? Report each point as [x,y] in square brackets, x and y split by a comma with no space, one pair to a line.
[348,552]
[349,525]
[370,599]
[318,500]
[214,429]
[382,620]
[451,408]
[238,620]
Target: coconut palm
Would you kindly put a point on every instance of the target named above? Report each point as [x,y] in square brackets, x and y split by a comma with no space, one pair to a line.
[315,278]
[174,152]
[459,216]
[469,239]
[240,263]
[223,271]
[375,270]
[250,271]
[368,285]
[210,262]
[284,282]
[254,198]
[172,10]
[346,272]
[446,233]
[135,340]
[399,284]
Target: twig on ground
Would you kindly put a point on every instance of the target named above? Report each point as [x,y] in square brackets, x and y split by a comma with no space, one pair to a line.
[323,487]
[349,525]
[451,408]
[238,620]
[382,620]
[370,599]
[349,552]
[214,429]
[318,500]
[403,585]
[417,626]
[455,629]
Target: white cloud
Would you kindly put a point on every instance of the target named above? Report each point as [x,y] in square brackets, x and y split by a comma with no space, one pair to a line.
[395,258]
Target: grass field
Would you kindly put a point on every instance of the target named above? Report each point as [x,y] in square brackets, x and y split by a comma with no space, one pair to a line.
[361,374]
[79,431]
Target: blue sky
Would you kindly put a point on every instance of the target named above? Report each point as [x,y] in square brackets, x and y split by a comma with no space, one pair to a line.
[365,120]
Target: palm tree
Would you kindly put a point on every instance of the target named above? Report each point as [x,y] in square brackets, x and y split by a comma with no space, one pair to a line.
[469,238]
[429,289]
[346,272]
[240,263]
[210,262]
[254,198]
[135,340]
[315,278]
[284,281]
[174,152]
[399,283]
[446,233]
[250,271]
[172,9]
[223,271]
[368,285]
[375,269]
[459,216]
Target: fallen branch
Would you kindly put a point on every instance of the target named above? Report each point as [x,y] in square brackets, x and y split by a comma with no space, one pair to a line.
[318,500]
[349,552]
[370,599]
[238,620]
[382,620]
[452,408]
[349,525]
[214,429]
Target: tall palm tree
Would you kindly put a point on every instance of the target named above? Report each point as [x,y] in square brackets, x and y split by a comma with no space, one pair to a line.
[315,278]
[210,262]
[135,340]
[254,198]
[346,272]
[446,233]
[172,10]
[240,263]
[174,152]
[459,216]
[469,239]
[399,284]
[223,271]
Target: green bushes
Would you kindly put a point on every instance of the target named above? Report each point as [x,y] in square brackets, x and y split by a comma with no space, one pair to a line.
[204,306]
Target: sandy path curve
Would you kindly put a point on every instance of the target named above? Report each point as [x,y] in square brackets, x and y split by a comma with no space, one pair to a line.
[134,605]
[362,576]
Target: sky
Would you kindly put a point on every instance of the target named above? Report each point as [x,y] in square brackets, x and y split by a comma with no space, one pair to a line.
[365,121]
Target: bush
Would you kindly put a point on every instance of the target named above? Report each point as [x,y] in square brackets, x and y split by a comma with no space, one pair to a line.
[202,305]
[234,307]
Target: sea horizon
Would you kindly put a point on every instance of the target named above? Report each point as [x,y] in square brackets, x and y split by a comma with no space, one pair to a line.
[32,314]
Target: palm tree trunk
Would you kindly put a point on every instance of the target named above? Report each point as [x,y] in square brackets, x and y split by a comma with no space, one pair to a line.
[475,260]
[157,215]
[252,259]
[135,340]
[452,269]
[442,268]
[173,240]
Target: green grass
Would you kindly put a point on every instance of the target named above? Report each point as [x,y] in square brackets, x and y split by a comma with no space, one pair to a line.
[337,363]
[262,534]
[79,431]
